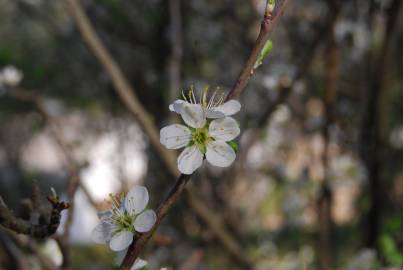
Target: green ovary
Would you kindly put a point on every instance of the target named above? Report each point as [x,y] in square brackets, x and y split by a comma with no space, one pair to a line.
[200,138]
[125,222]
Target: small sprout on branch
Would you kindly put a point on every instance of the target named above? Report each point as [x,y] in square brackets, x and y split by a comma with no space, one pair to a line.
[202,136]
[270,8]
[268,47]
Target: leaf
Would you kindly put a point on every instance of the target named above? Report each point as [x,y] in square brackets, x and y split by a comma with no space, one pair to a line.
[233,145]
[267,48]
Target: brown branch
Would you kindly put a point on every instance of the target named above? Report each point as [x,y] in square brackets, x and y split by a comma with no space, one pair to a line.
[370,137]
[285,86]
[71,166]
[269,21]
[137,246]
[324,202]
[45,224]
[126,93]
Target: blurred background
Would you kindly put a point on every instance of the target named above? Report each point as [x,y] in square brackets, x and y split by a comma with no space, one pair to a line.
[318,180]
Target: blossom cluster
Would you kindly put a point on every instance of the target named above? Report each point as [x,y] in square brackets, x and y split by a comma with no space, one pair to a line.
[208,133]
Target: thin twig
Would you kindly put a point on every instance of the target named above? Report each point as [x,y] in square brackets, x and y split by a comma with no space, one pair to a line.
[70,164]
[324,202]
[370,136]
[285,86]
[45,225]
[126,93]
[268,23]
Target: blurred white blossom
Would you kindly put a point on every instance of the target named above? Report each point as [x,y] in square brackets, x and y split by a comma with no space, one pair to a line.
[10,76]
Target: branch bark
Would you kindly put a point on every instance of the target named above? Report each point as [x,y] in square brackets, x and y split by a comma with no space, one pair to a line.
[324,202]
[126,93]
[371,128]
[44,225]
[267,26]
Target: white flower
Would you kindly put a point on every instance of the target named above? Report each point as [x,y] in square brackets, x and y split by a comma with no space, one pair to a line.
[214,108]
[201,138]
[10,76]
[127,217]
[139,264]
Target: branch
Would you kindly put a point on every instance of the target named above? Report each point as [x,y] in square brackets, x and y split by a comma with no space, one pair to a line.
[71,166]
[44,225]
[285,86]
[126,93]
[269,21]
[370,136]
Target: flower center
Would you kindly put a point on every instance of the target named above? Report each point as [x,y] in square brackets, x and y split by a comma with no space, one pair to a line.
[120,217]
[200,138]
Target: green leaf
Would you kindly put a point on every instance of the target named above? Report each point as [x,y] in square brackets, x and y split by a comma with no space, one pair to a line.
[233,145]
[268,47]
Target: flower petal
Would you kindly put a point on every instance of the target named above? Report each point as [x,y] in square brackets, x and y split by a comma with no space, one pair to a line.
[145,221]
[193,115]
[229,108]
[120,256]
[176,106]
[190,159]
[121,240]
[139,264]
[104,214]
[220,154]
[136,200]
[102,233]
[211,113]
[224,129]
[175,136]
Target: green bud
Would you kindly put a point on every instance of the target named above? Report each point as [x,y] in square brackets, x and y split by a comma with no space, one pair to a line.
[268,47]
[233,145]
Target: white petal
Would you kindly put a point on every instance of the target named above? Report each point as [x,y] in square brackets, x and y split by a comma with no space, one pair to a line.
[190,159]
[136,200]
[138,264]
[104,214]
[120,256]
[175,136]
[102,233]
[211,113]
[193,115]
[224,129]
[121,240]
[176,106]
[220,154]
[145,221]
[229,108]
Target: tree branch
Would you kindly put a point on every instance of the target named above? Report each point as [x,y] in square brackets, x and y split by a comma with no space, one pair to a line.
[267,25]
[269,21]
[126,93]
[43,225]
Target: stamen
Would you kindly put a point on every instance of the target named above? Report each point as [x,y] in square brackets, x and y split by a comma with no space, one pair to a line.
[184,96]
[211,102]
